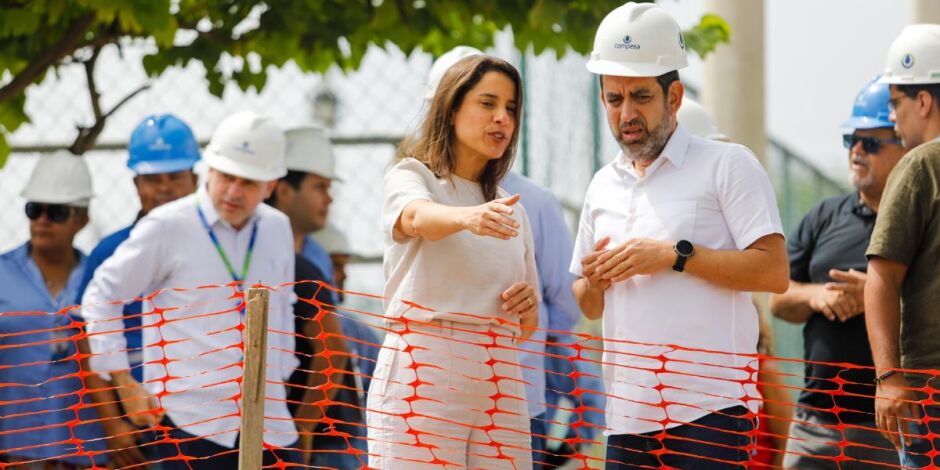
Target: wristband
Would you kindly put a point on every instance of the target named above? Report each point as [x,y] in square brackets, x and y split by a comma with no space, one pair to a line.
[884,376]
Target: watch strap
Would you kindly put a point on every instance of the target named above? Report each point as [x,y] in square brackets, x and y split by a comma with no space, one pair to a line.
[680,263]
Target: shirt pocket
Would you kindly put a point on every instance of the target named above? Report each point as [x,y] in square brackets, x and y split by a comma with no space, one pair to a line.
[673,220]
[611,225]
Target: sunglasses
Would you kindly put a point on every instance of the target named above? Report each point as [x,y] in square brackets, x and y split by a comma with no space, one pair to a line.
[869,144]
[57,213]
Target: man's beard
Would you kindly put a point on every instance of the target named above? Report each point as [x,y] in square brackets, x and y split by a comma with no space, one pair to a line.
[648,148]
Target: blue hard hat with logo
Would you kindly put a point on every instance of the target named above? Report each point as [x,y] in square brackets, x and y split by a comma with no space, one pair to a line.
[162,143]
[870,110]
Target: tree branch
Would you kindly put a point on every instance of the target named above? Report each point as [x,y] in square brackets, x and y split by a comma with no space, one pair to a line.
[87,136]
[402,11]
[38,66]
[145,86]
[92,87]
[100,40]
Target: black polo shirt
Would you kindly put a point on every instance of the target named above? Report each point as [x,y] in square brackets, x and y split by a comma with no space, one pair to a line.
[835,235]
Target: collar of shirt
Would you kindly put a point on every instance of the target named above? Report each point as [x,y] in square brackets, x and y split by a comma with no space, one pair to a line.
[33,275]
[314,252]
[860,209]
[212,214]
[674,152]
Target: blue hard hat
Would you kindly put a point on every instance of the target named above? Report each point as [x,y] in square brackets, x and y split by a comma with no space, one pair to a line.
[162,143]
[870,110]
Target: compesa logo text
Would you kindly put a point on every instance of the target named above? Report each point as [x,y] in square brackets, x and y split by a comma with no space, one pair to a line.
[626,44]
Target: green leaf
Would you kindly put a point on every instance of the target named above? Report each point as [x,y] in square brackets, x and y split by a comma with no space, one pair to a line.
[12,113]
[704,37]
[4,149]
[17,22]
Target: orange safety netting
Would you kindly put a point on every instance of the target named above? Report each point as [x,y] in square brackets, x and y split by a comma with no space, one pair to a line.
[56,413]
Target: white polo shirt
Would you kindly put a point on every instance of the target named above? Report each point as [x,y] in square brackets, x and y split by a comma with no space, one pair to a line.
[676,347]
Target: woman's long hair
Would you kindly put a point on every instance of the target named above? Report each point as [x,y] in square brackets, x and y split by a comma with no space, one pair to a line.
[435,142]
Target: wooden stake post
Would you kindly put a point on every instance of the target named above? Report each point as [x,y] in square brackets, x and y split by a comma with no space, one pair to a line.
[253,384]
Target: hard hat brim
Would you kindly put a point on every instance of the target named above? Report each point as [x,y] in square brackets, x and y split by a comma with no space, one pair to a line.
[321,173]
[254,173]
[902,80]
[35,196]
[163,166]
[886,80]
[866,123]
[619,69]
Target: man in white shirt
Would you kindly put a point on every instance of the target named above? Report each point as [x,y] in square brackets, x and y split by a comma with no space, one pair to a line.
[198,254]
[674,235]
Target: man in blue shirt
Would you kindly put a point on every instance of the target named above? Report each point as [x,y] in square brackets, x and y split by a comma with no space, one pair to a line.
[39,368]
[553,248]
[162,152]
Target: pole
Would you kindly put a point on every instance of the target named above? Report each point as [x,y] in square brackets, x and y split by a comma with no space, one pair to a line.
[733,90]
[253,384]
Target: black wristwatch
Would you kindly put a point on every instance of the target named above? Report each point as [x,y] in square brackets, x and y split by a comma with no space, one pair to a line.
[684,251]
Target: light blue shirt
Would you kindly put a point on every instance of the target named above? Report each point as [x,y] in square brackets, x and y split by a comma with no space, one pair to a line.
[38,368]
[313,252]
[316,254]
[558,310]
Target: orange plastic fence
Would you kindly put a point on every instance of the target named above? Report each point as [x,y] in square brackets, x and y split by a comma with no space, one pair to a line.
[52,406]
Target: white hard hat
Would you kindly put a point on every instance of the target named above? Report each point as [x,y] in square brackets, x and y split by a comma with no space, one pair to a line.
[914,57]
[445,62]
[332,240]
[695,119]
[637,40]
[247,145]
[59,178]
[309,151]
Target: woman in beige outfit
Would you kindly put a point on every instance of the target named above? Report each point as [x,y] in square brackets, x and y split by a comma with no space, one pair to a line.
[461,285]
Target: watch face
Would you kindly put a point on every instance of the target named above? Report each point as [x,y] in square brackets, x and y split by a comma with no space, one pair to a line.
[684,248]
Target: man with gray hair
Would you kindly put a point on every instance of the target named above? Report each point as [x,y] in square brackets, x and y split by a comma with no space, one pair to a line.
[197,254]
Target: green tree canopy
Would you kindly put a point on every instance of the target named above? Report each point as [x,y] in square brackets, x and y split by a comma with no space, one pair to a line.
[41,35]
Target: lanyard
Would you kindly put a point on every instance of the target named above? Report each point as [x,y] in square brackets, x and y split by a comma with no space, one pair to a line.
[221,251]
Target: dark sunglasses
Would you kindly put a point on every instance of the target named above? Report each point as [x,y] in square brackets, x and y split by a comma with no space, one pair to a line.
[57,213]
[869,144]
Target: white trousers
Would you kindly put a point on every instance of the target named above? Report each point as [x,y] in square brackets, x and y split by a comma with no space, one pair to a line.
[448,395]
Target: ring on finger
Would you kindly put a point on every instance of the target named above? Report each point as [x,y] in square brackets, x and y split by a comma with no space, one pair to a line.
[530,301]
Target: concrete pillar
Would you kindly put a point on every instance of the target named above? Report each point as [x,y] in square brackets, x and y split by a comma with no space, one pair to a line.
[925,11]
[733,90]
